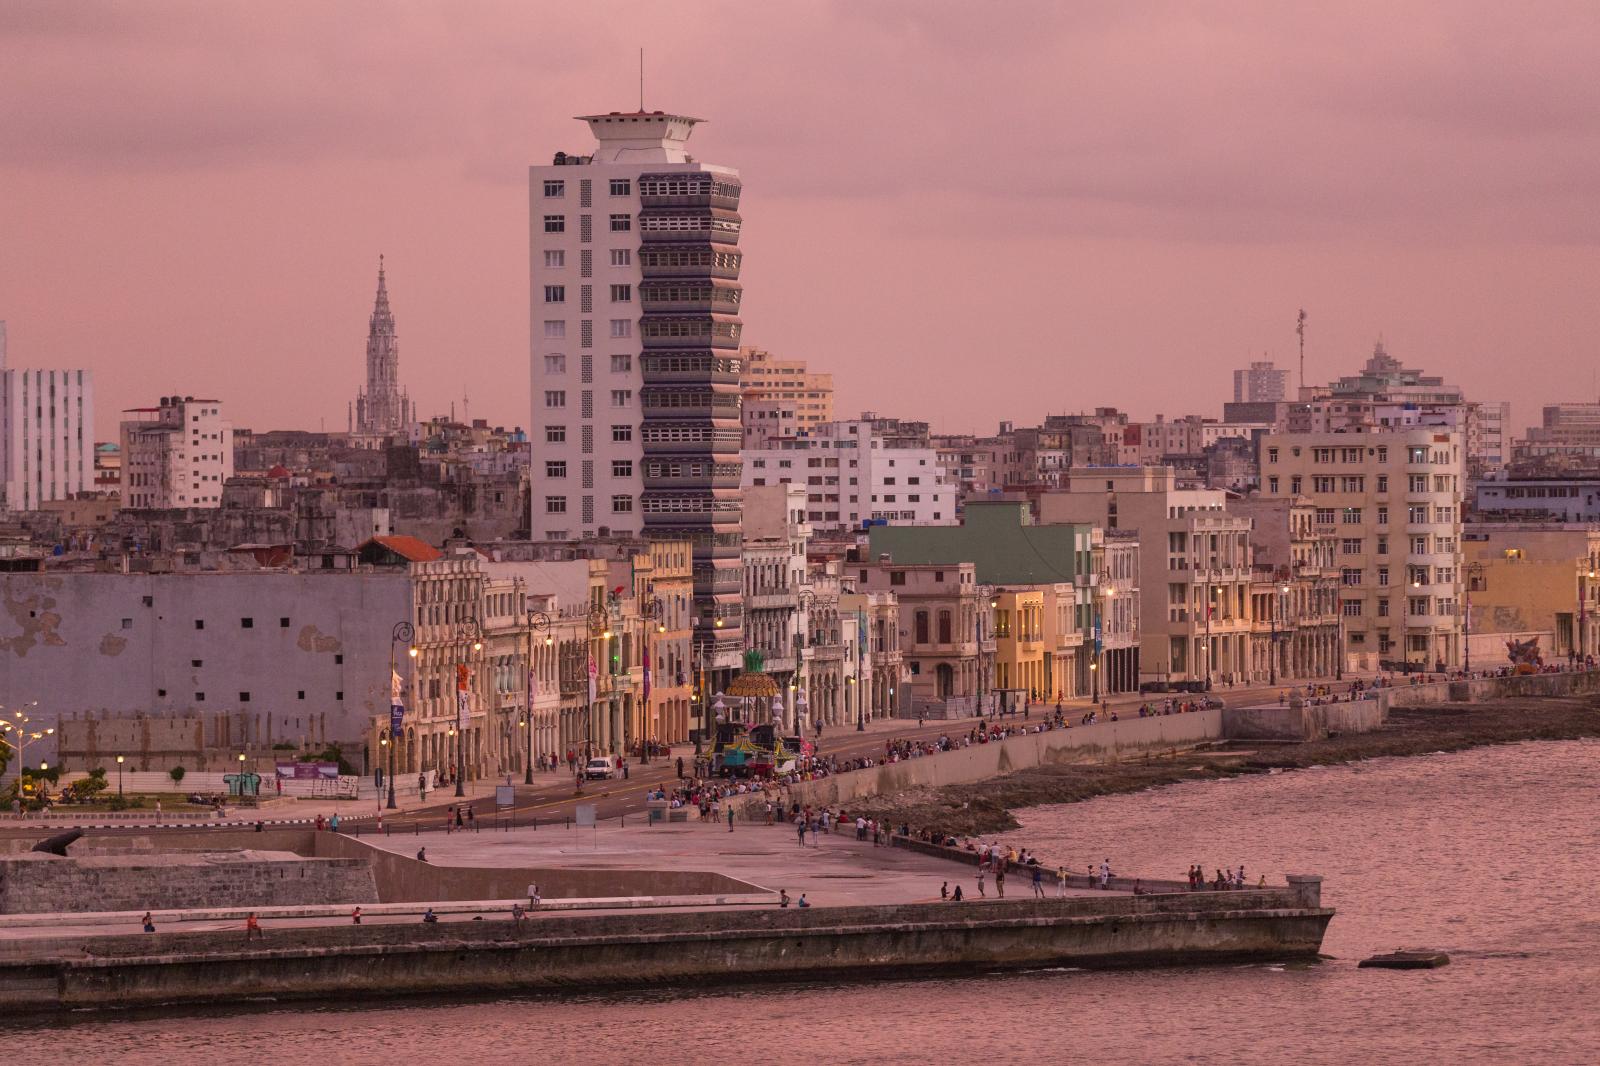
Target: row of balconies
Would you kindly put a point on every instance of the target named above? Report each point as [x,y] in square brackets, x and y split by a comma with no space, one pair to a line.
[690,259]
[690,331]
[717,225]
[690,366]
[682,296]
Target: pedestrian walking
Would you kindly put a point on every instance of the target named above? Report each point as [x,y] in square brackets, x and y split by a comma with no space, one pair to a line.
[680,768]
[1038,883]
[800,829]
[1105,874]
[472,819]
[814,826]
[981,893]
[1061,882]
[730,817]
[355,916]
[944,890]
[458,817]
[1000,881]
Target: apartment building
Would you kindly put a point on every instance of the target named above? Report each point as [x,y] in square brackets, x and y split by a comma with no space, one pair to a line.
[939,611]
[46,434]
[1260,382]
[1194,569]
[1393,500]
[176,454]
[1525,581]
[635,352]
[788,383]
[859,471]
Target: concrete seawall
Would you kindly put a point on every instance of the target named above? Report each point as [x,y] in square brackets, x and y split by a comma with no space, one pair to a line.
[1572,683]
[660,950]
[1102,742]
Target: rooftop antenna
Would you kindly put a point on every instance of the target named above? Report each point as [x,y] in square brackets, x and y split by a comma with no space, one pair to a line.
[641,79]
[1300,328]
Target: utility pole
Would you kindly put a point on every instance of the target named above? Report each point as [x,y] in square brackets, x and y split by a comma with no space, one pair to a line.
[1300,328]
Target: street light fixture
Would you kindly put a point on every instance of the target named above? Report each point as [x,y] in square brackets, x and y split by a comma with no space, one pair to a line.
[402,633]
[467,630]
[538,622]
[119,776]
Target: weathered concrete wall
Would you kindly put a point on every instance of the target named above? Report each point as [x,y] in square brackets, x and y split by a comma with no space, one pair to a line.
[402,879]
[1269,723]
[1574,683]
[38,884]
[1101,742]
[657,950]
[115,646]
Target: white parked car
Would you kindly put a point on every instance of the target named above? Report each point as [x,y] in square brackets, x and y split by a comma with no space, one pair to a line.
[601,767]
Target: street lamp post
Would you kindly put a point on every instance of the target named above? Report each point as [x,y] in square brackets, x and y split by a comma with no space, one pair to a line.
[119,776]
[17,732]
[469,630]
[538,622]
[402,633]
[651,611]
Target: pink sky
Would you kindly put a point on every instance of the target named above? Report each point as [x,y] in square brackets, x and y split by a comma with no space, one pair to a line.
[966,211]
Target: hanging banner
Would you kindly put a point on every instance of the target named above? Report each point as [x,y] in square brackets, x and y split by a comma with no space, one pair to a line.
[594,676]
[463,709]
[397,716]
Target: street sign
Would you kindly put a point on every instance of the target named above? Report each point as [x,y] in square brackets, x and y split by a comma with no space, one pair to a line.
[505,796]
[584,814]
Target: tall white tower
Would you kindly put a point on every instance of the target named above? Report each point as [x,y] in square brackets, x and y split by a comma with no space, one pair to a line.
[46,434]
[635,349]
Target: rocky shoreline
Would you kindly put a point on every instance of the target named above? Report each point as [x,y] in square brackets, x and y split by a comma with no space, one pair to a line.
[986,806]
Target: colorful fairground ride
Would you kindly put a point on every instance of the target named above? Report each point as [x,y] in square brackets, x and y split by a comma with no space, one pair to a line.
[747,743]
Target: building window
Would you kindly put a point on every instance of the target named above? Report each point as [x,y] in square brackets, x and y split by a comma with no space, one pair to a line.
[621,364]
[621,327]
[621,223]
[621,434]
[621,187]
[247,623]
[555,329]
[944,627]
[555,505]
[555,398]
[555,223]
[621,397]
[199,623]
[622,468]
[555,434]
[244,697]
[555,468]
[555,259]
[621,257]
[621,294]
[555,364]
[922,627]
[555,294]
[622,504]
[554,188]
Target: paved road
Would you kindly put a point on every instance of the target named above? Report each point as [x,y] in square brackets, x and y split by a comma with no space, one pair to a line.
[552,796]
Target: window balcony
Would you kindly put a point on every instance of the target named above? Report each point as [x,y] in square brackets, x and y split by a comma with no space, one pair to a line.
[690,259]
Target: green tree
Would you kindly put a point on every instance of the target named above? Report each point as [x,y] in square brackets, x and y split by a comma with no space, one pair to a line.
[176,773]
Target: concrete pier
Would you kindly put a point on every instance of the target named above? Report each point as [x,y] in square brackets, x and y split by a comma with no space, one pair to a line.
[658,950]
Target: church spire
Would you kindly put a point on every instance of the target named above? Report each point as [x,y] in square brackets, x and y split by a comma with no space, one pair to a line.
[382,407]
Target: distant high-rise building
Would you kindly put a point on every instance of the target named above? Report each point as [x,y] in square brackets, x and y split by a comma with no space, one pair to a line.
[1260,382]
[176,454]
[382,408]
[790,384]
[46,434]
[635,351]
